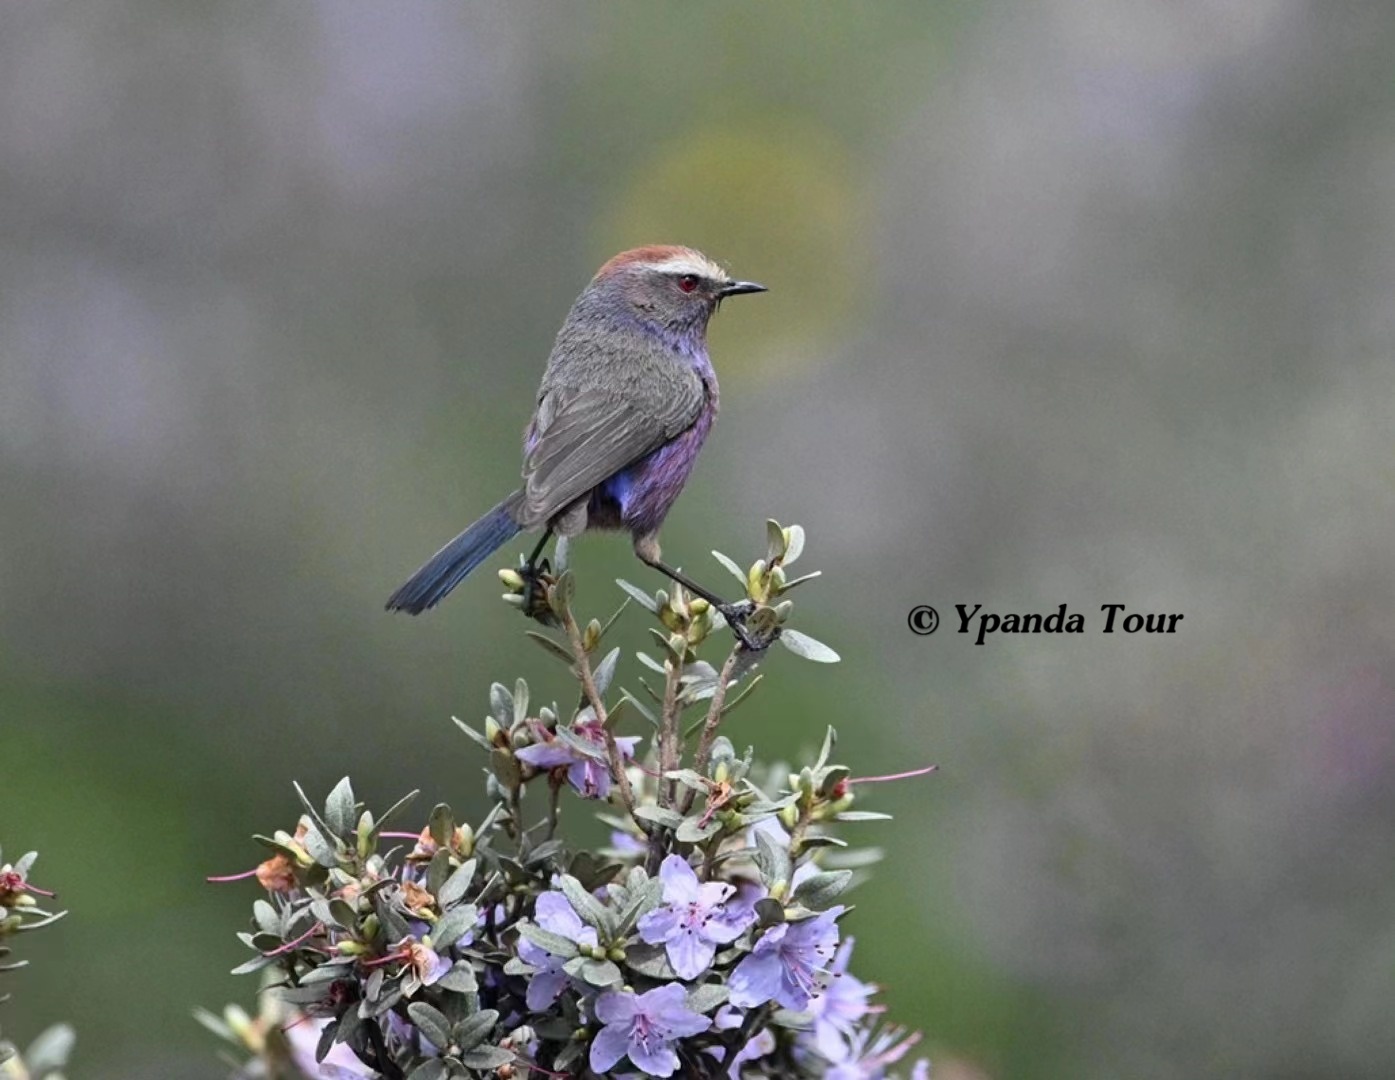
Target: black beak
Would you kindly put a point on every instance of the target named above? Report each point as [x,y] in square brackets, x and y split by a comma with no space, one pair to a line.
[736,288]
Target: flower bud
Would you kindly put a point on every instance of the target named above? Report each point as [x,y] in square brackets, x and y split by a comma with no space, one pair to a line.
[783,609]
[512,579]
[698,606]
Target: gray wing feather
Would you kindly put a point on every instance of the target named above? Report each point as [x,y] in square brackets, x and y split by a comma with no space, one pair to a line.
[589,435]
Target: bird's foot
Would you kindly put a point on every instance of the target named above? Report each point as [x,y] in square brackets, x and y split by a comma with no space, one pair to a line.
[537,581]
[753,626]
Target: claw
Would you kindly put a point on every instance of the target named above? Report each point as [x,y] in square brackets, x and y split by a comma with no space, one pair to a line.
[536,580]
[736,616]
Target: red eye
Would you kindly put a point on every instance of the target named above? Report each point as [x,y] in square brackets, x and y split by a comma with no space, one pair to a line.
[688,282]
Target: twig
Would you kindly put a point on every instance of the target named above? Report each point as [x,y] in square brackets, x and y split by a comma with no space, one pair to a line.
[588,686]
[712,723]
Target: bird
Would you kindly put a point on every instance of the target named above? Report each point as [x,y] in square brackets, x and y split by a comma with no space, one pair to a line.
[627,399]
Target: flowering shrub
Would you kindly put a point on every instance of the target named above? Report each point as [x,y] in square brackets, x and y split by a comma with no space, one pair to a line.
[705,941]
[21,911]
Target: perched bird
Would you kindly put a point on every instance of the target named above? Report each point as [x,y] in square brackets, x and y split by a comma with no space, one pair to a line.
[625,405]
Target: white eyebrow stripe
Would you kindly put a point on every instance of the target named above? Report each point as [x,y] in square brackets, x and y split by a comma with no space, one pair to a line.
[684,264]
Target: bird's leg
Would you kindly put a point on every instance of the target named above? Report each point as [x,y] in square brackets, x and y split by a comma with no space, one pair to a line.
[735,614]
[530,572]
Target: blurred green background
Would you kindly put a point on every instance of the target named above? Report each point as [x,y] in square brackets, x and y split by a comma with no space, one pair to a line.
[1085,301]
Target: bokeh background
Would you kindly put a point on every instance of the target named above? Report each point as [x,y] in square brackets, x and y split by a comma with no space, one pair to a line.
[1087,301]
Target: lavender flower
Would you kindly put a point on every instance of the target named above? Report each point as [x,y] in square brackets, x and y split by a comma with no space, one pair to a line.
[644,1026]
[788,963]
[865,1054]
[554,914]
[589,775]
[844,1001]
[694,919]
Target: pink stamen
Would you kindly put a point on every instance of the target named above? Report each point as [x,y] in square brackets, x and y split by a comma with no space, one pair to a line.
[288,946]
[893,776]
[388,959]
[233,877]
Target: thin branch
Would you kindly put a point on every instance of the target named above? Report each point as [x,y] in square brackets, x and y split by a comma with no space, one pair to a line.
[593,696]
[712,723]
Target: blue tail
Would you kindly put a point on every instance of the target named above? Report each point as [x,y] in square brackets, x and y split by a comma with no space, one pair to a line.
[448,567]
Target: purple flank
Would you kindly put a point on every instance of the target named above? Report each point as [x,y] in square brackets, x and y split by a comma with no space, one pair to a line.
[647,489]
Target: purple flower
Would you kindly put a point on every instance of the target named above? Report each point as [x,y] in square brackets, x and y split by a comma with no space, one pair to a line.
[555,915]
[788,964]
[588,774]
[844,1001]
[864,1054]
[695,918]
[643,1026]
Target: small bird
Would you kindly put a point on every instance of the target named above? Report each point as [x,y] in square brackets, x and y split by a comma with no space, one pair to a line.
[626,402]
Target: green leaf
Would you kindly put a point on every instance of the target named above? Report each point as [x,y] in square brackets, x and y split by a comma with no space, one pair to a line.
[456,885]
[794,544]
[505,768]
[550,646]
[340,809]
[605,670]
[474,1029]
[600,973]
[774,541]
[431,1021]
[772,860]
[266,917]
[310,807]
[818,891]
[792,582]
[804,646]
[50,1051]
[862,815]
[650,961]
[460,978]
[430,1069]
[691,832]
[485,1058]
[475,735]
[556,944]
[644,898]
[830,740]
[441,824]
[320,849]
[500,704]
[639,596]
[705,998]
[563,593]
[591,910]
[689,778]
[454,925]
[395,809]
[731,568]
[611,621]
[520,701]
[660,815]
[254,964]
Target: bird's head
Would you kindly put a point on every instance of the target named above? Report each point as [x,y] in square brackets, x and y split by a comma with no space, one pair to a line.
[675,288]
